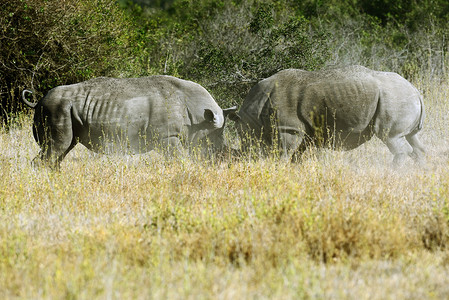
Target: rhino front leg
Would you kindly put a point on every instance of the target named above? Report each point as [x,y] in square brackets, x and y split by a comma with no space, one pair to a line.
[290,142]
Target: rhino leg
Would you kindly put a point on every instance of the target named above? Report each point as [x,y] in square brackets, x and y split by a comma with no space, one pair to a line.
[61,156]
[418,153]
[290,142]
[400,148]
[172,147]
[403,146]
[56,147]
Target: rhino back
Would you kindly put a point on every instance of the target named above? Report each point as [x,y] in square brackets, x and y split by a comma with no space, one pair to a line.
[125,109]
[346,104]
[346,98]
[116,101]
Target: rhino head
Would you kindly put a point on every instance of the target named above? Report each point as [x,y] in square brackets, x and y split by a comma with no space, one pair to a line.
[214,137]
[249,135]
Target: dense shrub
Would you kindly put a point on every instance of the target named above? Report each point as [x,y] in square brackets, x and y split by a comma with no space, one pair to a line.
[48,43]
[224,45]
[235,44]
[228,45]
[411,41]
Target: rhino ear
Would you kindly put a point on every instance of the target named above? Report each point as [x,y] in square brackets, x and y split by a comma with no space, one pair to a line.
[209,115]
[212,117]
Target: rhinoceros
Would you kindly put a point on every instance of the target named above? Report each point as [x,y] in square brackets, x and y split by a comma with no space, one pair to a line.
[341,108]
[128,115]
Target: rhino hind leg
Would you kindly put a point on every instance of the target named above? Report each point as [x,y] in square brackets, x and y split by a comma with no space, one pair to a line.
[50,158]
[54,149]
[400,148]
[418,153]
[61,156]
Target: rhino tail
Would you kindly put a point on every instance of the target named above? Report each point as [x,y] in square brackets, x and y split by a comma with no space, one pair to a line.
[422,114]
[24,100]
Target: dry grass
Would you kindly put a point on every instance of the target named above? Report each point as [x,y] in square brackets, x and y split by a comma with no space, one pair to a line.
[338,225]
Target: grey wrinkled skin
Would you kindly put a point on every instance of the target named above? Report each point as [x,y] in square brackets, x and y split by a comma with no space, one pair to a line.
[338,108]
[129,116]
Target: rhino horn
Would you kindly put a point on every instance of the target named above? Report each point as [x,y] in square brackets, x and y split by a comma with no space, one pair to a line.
[229,112]
[232,113]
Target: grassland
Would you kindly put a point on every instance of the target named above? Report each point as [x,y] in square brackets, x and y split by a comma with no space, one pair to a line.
[340,225]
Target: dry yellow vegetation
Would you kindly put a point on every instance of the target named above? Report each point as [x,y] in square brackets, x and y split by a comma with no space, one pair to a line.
[341,225]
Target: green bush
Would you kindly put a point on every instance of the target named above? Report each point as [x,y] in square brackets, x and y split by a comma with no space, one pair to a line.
[245,43]
[225,45]
[49,43]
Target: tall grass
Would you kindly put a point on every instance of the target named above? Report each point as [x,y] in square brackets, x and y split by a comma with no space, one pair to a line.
[337,225]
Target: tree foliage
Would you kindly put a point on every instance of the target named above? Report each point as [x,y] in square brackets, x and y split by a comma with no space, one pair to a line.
[225,45]
[236,44]
[53,42]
